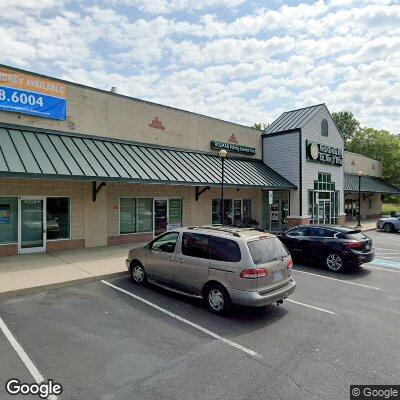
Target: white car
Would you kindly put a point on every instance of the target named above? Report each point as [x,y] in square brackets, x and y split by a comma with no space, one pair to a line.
[389,224]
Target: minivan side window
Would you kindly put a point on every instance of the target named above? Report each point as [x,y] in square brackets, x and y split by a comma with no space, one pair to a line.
[222,249]
[165,243]
[195,245]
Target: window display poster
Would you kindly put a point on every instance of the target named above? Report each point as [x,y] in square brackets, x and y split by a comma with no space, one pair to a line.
[5,214]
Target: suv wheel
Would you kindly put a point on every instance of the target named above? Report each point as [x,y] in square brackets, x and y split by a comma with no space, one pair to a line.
[138,275]
[388,227]
[335,262]
[217,299]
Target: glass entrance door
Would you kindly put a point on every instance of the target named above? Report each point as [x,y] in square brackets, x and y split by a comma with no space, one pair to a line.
[160,216]
[324,212]
[32,225]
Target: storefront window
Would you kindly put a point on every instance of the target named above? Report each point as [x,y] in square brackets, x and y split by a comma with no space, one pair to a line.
[144,215]
[58,218]
[8,220]
[247,211]
[127,216]
[175,213]
[216,212]
[237,212]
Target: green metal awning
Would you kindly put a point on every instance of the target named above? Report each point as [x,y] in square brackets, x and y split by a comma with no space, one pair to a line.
[31,153]
[369,184]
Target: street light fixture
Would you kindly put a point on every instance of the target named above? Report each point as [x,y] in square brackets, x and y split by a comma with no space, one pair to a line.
[222,154]
[359,174]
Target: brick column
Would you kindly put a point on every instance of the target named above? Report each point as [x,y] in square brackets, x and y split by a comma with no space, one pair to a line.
[294,221]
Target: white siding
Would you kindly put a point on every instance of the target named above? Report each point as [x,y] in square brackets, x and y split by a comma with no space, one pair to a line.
[281,153]
[312,132]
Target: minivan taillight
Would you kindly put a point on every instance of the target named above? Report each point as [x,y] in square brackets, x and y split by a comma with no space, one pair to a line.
[254,273]
[354,245]
[290,263]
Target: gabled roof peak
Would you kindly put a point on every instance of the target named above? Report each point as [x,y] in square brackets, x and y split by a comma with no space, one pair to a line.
[294,119]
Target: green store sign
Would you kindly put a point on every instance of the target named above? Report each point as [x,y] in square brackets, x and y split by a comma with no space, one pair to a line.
[235,148]
[325,154]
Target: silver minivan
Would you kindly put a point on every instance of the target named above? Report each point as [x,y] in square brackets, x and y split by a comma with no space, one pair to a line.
[222,265]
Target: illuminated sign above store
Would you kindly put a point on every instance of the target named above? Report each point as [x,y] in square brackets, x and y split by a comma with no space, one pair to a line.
[235,148]
[29,94]
[325,154]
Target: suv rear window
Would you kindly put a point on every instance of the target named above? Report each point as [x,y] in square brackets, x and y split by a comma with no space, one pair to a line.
[224,249]
[354,236]
[265,250]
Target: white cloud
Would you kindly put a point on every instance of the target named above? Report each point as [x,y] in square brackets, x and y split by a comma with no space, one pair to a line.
[170,6]
[225,58]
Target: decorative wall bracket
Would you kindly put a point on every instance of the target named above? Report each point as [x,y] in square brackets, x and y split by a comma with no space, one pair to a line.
[199,191]
[96,189]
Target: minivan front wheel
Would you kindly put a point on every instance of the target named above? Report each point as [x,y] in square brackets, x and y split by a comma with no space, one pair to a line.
[335,262]
[217,299]
[138,275]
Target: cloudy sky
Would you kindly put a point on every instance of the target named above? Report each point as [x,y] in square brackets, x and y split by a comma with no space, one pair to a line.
[243,61]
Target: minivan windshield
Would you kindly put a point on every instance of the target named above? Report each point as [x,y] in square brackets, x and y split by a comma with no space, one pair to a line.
[266,250]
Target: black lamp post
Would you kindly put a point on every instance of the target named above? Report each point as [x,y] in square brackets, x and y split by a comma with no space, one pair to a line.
[359,174]
[222,155]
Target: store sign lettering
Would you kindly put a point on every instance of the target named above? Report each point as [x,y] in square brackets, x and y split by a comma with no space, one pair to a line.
[235,148]
[325,154]
[28,94]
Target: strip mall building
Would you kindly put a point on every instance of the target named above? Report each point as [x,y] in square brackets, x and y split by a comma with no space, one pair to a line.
[83,167]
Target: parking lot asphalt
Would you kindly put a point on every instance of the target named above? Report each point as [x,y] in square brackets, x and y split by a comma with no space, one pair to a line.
[124,341]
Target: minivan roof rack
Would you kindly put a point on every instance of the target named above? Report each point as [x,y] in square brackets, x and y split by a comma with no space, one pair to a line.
[216,228]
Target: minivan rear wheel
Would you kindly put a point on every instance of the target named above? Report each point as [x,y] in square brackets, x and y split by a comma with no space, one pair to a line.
[138,274]
[335,262]
[217,299]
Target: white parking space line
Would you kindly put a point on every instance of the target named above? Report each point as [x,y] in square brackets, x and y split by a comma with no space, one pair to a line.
[385,248]
[383,269]
[338,280]
[192,324]
[377,241]
[37,376]
[310,306]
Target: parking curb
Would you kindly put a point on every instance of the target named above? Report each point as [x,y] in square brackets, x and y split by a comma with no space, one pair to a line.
[57,285]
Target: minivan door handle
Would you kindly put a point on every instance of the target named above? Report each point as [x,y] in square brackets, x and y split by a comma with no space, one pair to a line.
[170,258]
[179,260]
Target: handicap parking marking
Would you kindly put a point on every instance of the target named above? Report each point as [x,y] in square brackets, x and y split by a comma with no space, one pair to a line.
[31,367]
[382,269]
[310,306]
[249,352]
[385,262]
[339,280]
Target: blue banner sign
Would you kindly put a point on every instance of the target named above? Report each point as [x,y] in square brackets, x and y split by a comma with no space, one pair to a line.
[32,95]
[32,103]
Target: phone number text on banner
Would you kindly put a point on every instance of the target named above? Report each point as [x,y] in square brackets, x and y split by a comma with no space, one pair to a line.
[32,103]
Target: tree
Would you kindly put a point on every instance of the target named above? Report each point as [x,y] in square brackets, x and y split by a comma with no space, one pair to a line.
[380,145]
[347,124]
[261,126]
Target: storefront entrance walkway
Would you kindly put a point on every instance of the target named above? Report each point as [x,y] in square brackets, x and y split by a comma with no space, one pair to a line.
[35,272]
[366,224]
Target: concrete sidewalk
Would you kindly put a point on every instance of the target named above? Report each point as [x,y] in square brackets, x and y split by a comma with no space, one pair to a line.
[35,272]
[366,225]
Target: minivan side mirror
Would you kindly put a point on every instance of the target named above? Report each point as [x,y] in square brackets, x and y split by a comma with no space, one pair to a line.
[147,246]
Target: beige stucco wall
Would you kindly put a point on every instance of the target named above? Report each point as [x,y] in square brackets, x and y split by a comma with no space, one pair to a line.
[366,212]
[106,114]
[354,162]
